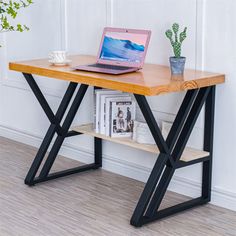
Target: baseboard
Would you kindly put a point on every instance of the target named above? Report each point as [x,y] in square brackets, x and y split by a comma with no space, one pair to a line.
[220,197]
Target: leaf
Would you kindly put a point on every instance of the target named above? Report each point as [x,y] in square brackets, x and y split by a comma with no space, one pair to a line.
[169,34]
[11,8]
[183,35]
[19,28]
[175,27]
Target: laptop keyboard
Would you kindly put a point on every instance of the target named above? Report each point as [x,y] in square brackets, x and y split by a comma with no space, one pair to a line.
[111,67]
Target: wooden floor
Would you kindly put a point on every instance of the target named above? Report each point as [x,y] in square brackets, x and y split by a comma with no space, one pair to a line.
[92,203]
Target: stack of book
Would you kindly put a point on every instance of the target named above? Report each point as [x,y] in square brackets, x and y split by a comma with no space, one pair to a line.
[114,113]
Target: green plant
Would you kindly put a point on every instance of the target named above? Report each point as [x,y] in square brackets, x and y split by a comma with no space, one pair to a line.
[9,11]
[178,38]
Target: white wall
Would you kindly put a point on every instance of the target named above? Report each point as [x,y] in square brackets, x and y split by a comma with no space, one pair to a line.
[76,25]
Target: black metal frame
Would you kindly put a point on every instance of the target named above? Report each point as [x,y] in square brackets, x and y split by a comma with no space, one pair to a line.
[167,162]
[170,153]
[62,132]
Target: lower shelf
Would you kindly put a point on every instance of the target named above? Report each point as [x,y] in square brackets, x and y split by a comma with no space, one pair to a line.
[189,154]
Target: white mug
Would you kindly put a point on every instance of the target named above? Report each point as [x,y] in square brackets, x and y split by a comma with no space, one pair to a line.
[58,56]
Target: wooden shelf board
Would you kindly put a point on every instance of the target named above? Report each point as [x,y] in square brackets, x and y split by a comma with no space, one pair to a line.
[189,154]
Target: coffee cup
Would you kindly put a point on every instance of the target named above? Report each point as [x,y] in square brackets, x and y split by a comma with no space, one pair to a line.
[58,56]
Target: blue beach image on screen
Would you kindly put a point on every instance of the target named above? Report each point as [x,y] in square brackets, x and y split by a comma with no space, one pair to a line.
[121,47]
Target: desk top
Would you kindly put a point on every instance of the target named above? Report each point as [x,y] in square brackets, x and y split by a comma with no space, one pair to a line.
[151,80]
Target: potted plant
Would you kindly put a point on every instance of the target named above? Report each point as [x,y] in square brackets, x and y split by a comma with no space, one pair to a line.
[177,63]
[9,11]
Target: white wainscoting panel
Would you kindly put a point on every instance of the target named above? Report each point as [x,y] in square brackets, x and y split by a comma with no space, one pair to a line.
[86,20]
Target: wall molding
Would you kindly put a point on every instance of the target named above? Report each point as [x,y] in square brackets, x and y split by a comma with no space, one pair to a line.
[110,12]
[3,57]
[220,196]
[200,34]
[64,25]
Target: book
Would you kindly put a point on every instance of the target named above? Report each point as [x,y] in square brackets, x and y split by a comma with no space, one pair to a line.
[102,107]
[121,97]
[122,116]
[97,104]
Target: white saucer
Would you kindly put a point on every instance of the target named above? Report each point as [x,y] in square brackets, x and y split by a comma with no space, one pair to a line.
[64,63]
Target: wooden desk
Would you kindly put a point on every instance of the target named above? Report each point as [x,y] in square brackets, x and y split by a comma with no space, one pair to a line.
[172,152]
[151,80]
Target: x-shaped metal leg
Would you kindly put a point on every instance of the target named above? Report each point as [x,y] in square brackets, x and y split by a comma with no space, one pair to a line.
[62,132]
[170,153]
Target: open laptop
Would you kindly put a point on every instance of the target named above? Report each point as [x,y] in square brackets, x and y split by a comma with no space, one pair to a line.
[121,51]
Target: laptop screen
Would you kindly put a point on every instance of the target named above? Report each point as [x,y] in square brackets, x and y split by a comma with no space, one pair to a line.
[123,47]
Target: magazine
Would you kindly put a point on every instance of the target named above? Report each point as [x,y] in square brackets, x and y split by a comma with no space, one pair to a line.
[97,105]
[122,97]
[102,107]
[122,116]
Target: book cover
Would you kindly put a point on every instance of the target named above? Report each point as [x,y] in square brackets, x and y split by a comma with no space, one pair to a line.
[122,116]
[120,97]
[97,109]
[102,128]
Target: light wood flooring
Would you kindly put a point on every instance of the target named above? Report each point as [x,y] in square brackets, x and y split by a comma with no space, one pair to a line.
[92,203]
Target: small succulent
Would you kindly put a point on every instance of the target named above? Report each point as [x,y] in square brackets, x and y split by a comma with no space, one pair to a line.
[176,39]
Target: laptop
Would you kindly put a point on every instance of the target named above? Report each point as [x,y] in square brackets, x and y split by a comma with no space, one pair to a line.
[121,51]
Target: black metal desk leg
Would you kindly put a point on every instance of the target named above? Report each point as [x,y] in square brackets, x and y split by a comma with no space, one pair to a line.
[208,144]
[98,151]
[62,133]
[186,130]
[98,145]
[65,127]
[53,127]
[170,153]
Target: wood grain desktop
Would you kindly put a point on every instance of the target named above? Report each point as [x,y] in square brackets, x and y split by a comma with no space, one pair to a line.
[151,80]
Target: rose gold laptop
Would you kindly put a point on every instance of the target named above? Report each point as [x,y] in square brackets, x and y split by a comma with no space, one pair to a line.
[121,51]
